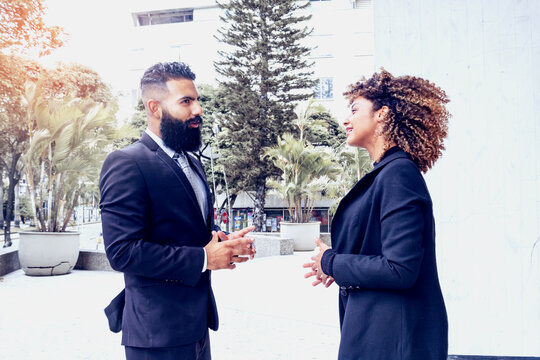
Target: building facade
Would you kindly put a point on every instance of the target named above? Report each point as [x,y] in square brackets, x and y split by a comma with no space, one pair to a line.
[185,30]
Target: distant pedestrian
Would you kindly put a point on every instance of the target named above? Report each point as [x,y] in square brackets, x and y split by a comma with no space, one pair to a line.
[383,233]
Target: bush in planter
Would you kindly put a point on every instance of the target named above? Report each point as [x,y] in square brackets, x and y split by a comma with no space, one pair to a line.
[306,173]
[306,170]
[68,143]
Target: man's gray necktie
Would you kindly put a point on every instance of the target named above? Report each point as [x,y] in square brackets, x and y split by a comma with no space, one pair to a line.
[194,180]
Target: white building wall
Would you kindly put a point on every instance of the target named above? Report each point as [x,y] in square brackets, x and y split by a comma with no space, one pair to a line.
[342,39]
[486,188]
[191,42]
[342,35]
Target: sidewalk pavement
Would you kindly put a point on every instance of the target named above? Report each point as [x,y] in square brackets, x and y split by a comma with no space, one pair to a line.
[267,311]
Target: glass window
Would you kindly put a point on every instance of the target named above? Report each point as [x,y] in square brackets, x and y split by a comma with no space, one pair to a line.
[163,17]
[324,89]
[361,4]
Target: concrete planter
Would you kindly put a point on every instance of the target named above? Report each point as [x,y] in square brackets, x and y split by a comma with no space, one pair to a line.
[48,253]
[304,234]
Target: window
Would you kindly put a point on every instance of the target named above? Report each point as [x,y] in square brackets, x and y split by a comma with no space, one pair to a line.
[361,4]
[324,89]
[163,17]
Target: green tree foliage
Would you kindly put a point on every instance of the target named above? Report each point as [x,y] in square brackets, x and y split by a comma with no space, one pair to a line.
[77,81]
[25,208]
[15,70]
[132,131]
[62,82]
[265,70]
[355,163]
[68,143]
[23,29]
[209,99]
[214,111]
[329,133]
[314,164]
[306,170]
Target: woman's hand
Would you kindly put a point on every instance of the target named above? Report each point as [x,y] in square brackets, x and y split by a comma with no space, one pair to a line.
[316,269]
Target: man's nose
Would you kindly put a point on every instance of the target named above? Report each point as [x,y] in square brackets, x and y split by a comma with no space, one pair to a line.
[196,110]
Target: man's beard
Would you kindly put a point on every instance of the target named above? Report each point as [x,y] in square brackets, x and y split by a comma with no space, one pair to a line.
[178,135]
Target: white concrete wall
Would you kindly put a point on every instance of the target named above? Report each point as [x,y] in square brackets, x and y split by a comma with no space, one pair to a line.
[486,188]
[342,40]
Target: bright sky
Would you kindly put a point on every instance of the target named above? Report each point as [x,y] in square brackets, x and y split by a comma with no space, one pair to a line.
[98,33]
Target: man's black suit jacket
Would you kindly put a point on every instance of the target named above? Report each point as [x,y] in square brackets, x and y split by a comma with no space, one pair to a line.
[154,233]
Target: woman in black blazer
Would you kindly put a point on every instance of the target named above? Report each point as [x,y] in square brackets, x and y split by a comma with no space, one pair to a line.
[383,233]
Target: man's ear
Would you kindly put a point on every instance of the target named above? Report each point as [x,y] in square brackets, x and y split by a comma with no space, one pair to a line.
[154,108]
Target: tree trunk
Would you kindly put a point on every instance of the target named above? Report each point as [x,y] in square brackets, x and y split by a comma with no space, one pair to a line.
[258,211]
[13,177]
[9,213]
[70,211]
[16,212]
[1,199]
[228,201]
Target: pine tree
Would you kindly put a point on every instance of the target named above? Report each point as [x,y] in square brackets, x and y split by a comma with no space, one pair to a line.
[265,70]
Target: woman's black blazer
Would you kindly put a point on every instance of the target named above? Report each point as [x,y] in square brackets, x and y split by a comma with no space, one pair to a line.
[383,259]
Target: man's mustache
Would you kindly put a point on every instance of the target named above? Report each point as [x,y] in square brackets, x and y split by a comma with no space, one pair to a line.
[194,120]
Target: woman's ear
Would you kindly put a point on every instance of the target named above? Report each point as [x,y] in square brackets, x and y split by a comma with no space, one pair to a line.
[382,113]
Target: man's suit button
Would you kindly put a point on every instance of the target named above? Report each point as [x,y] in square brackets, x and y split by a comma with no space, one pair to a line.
[343,291]
[351,287]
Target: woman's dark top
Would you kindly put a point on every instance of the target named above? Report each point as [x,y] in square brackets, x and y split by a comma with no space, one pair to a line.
[383,259]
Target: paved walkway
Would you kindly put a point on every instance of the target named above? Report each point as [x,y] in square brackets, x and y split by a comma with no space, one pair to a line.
[267,311]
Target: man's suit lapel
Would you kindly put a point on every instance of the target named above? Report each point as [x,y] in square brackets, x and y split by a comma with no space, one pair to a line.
[175,168]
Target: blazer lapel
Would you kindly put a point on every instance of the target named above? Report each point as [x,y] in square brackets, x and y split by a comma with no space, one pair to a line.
[356,189]
[366,180]
[162,156]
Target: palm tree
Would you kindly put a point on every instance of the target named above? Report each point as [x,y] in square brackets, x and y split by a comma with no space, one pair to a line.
[69,139]
[355,163]
[306,170]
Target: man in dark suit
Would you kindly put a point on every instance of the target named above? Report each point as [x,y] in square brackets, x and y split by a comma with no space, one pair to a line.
[158,227]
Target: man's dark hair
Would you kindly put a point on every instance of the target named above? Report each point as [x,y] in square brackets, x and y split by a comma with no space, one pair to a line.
[157,75]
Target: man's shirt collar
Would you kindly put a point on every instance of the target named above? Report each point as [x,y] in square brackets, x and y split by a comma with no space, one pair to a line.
[160,142]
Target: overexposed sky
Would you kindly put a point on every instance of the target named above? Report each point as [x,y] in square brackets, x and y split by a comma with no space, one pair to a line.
[98,33]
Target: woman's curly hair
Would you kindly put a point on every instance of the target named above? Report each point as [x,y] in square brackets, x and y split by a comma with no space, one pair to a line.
[417,120]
